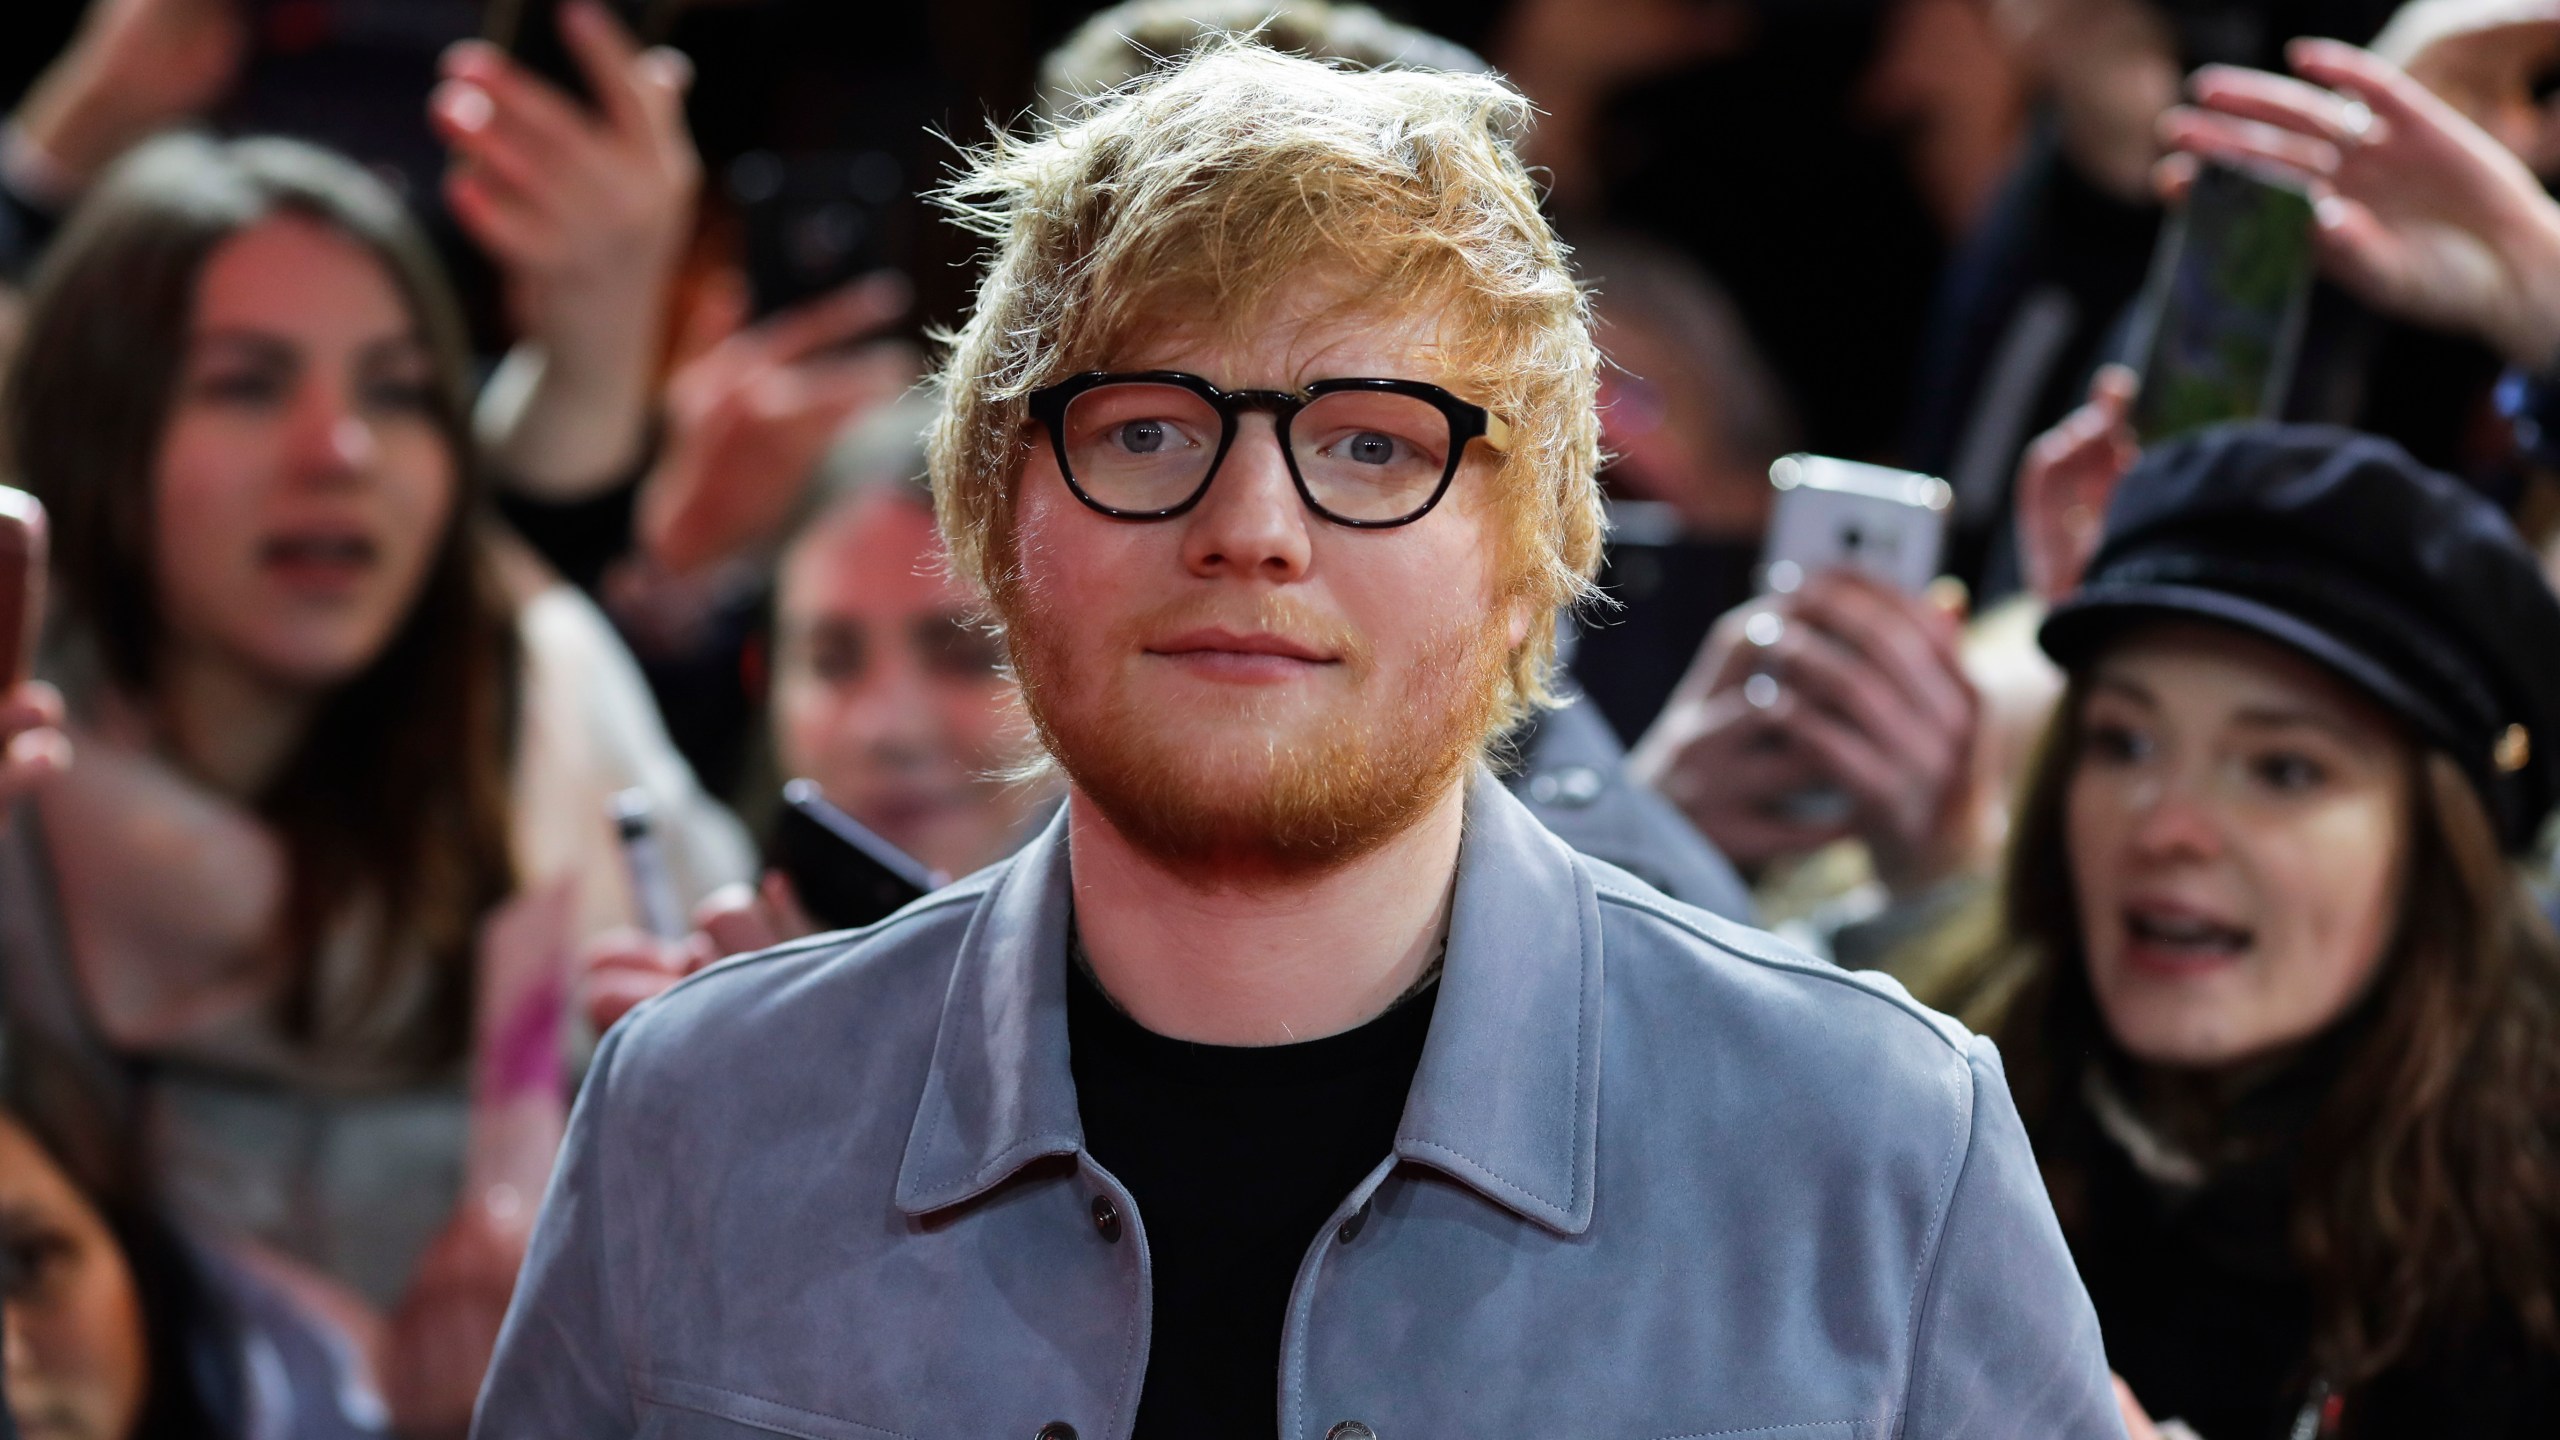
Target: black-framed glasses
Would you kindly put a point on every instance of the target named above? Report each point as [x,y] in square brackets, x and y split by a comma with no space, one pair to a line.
[1367,453]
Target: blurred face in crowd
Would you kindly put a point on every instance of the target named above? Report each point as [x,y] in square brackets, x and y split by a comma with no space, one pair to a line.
[303,482]
[72,1316]
[884,693]
[1249,683]
[2239,830]
[1666,440]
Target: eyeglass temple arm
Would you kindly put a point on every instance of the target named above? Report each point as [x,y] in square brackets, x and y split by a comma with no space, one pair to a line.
[1497,432]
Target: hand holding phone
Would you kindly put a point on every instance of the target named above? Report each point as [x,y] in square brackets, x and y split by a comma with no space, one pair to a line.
[577,173]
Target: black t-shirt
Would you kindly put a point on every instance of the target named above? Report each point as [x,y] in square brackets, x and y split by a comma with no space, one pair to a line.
[1236,1157]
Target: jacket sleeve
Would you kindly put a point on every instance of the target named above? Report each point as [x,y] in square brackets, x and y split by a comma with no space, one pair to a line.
[559,1372]
[2007,1344]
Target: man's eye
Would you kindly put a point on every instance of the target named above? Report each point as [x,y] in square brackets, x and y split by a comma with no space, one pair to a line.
[1368,448]
[1146,437]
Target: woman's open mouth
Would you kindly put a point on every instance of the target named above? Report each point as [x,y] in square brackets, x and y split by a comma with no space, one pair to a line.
[2179,939]
[320,561]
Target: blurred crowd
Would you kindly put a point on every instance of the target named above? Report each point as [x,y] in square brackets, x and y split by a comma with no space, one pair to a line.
[446,449]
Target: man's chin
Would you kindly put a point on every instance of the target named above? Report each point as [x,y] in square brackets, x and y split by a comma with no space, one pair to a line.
[1291,781]
[1254,802]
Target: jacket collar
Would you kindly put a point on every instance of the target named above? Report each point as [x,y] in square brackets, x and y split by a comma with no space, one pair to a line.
[1507,1099]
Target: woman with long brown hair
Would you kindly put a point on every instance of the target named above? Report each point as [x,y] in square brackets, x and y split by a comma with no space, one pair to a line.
[330,725]
[2289,1042]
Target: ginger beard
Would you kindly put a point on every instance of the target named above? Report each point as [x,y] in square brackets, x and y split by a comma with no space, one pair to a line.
[1231,786]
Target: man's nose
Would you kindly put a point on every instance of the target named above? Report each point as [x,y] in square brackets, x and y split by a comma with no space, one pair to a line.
[1251,523]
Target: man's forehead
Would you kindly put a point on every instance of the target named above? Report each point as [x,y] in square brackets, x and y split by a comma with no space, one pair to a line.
[1290,340]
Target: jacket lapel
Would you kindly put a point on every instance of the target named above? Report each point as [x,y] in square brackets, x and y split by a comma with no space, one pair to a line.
[999,1094]
[1508,1097]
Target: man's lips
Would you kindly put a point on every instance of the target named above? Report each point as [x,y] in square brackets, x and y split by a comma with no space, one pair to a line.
[1214,643]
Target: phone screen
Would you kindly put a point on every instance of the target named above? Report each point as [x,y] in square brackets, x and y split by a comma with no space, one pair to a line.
[529,30]
[813,221]
[2222,318]
[846,876]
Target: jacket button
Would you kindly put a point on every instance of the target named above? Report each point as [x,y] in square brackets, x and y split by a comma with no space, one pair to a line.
[1346,1232]
[1351,1430]
[1056,1430]
[1106,1218]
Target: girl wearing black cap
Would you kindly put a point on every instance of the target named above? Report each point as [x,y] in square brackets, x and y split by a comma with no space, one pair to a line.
[2290,1048]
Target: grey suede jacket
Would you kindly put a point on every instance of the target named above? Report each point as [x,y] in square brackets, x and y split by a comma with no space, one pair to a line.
[1658,1176]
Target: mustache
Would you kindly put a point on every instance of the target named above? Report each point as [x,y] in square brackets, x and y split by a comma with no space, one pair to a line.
[1273,613]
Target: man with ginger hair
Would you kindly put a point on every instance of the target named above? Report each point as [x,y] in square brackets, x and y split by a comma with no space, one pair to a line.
[1295,1080]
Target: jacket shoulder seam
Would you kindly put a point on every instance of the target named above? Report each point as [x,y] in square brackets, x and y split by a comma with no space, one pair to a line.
[1935,1024]
[833,939]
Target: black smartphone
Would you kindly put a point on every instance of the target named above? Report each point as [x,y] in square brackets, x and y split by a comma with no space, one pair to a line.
[2220,325]
[845,874]
[529,31]
[812,221]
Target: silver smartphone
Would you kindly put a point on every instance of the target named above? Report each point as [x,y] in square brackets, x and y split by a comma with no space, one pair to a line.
[1843,514]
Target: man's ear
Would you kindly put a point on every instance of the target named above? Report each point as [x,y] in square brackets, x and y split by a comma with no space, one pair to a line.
[1516,625]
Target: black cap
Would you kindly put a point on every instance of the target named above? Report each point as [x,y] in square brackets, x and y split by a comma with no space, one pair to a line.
[2340,546]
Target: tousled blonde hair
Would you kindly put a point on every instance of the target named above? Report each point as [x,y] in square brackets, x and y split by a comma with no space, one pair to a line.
[1212,186]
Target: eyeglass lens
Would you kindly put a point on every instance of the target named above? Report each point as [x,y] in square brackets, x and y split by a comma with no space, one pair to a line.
[1363,454]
